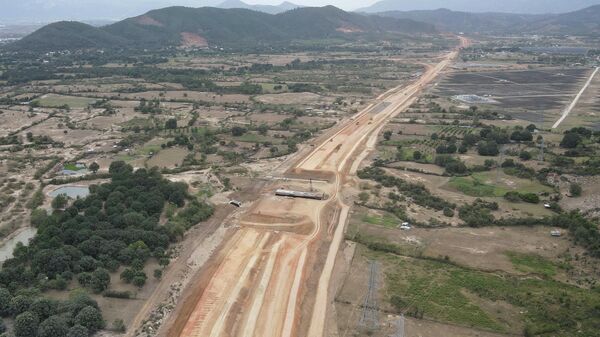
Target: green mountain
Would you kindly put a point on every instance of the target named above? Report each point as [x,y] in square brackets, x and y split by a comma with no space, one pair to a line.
[581,22]
[208,26]
[68,34]
[453,21]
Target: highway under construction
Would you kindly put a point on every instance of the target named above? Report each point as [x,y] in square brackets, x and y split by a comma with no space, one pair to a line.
[272,276]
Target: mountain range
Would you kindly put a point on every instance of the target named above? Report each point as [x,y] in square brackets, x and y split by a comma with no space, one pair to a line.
[582,22]
[475,6]
[209,26]
[271,9]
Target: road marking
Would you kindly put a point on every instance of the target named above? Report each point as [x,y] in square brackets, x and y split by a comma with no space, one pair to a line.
[575,101]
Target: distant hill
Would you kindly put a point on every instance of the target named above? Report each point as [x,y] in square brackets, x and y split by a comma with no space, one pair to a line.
[73,35]
[283,7]
[201,27]
[582,22]
[453,21]
[504,6]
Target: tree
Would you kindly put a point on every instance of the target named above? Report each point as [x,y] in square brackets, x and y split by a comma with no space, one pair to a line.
[238,131]
[263,129]
[60,201]
[100,280]
[139,280]
[91,318]
[78,331]
[571,140]
[94,167]
[387,135]
[575,190]
[524,155]
[171,124]
[20,304]
[26,325]
[158,274]
[5,300]
[38,216]
[488,148]
[417,155]
[54,326]
[44,307]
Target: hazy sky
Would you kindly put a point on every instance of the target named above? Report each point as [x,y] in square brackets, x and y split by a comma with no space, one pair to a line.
[345,4]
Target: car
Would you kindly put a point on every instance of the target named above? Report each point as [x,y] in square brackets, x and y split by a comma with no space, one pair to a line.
[235,203]
[405,226]
[547,206]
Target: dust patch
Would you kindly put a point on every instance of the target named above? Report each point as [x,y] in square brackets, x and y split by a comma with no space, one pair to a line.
[193,40]
[148,21]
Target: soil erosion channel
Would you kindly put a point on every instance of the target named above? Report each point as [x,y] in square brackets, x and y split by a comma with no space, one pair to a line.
[260,279]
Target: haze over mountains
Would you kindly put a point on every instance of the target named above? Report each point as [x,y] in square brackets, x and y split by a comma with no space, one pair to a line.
[504,6]
[271,9]
[29,11]
[582,22]
[208,26]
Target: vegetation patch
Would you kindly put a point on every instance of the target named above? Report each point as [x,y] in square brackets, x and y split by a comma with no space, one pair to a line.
[532,263]
[434,289]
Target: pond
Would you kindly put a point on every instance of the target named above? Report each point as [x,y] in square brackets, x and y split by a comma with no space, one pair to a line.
[6,250]
[72,192]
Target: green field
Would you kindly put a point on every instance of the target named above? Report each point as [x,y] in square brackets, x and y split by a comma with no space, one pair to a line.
[256,138]
[387,220]
[485,184]
[71,167]
[439,289]
[531,263]
[55,101]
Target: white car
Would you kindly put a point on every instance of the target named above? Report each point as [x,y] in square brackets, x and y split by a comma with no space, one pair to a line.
[405,226]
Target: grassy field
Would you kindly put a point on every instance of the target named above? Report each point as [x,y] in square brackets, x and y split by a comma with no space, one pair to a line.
[450,293]
[256,138]
[55,101]
[485,184]
[387,220]
[529,263]
[72,167]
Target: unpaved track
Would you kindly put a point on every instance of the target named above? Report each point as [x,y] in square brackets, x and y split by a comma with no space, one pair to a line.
[259,287]
[573,104]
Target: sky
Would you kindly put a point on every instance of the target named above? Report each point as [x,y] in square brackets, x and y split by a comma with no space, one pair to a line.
[344,4]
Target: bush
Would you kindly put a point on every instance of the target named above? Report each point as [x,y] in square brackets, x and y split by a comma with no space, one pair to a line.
[54,326]
[448,212]
[571,140]
[90,318]
[119,325]
[26,325]
[118,294]
[78,331]
[512,196]
[524,155]
[488,148]
[531,198]
[575,190]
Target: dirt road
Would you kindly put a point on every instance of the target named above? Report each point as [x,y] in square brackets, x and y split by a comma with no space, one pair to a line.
[260,281]
[573,104]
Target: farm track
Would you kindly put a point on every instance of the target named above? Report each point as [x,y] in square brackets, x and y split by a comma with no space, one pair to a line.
[259,280]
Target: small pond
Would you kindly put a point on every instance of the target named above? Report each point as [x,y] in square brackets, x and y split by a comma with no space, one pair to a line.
[72,192]
[6,250]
